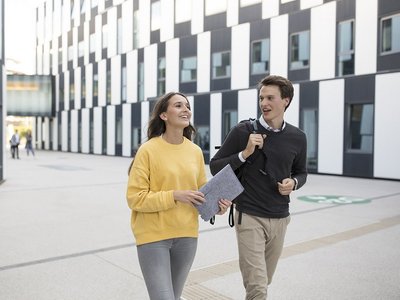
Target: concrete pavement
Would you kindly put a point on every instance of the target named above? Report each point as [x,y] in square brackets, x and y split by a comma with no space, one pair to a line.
[65,234]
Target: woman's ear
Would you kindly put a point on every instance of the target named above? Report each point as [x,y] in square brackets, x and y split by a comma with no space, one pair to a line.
[163,116]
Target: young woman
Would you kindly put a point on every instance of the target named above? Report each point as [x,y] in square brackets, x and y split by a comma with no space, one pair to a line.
[163,186]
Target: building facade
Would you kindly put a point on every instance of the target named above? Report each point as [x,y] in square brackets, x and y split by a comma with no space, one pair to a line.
[2,94]
[112,59]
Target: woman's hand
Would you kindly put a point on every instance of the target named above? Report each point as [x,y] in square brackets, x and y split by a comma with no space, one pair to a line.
[223,204]
[189,197]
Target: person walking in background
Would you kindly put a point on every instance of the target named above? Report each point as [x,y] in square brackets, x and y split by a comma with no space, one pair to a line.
[14,142]
[273,163]
[164,179]
[28,145]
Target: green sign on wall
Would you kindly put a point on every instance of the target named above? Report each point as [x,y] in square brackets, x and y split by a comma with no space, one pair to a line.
[332,199]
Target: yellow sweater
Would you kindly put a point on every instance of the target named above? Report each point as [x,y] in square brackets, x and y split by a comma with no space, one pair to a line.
[160,168]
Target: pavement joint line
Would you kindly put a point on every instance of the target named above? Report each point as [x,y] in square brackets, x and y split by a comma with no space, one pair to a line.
[59,187]
[208,273]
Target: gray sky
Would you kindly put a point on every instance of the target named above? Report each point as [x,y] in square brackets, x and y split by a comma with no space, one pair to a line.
[20,34]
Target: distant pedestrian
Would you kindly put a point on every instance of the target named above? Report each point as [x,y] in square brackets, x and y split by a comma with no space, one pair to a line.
[14,145]
[28,145]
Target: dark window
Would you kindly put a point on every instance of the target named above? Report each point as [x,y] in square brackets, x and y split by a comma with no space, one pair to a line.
[361,127]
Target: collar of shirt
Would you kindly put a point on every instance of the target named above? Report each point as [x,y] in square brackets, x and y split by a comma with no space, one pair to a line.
[269,128]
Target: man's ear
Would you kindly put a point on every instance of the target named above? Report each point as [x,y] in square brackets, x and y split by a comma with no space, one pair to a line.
[287,102]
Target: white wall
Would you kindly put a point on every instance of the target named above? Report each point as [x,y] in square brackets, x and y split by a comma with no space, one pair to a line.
[247,104]
[150,71]
[127,26]
[203,61]
[77,81]
[323,41]
[111,130]
[102,84]
[279,45]
[64,130]
[116,80]
[366,36]
[197,16]
[293,111]
[131,76]
[89,85]
[97,130]
[167,20]
[145,110]
[387,125]
[240,57]
[330,126]
[126,129]
[270,8]
[215,122]
[172,65]
[85,131]
[232,13]
[74,130]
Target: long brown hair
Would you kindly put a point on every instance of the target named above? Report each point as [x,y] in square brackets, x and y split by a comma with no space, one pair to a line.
[157,125]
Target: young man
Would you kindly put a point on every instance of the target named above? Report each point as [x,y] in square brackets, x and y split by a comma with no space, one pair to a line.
[274,160]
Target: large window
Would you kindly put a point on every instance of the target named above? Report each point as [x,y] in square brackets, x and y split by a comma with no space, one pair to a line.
[161,76]
[188,69]
[361,119]
[309,121]
[230,119]
[390,35]
[346,48]
[299,50]
[260,57]
[202,138]
[221,64]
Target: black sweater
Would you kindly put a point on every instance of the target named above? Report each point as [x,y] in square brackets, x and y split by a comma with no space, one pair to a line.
[285,156]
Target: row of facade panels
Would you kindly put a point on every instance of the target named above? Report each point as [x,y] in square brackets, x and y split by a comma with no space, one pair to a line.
[350,124]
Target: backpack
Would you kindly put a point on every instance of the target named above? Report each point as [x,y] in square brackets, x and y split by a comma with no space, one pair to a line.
[251,125]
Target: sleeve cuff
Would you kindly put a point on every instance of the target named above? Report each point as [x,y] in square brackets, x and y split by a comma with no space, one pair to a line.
[241,157]
[295,183]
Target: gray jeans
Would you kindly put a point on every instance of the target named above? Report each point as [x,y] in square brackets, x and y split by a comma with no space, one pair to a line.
[165,266]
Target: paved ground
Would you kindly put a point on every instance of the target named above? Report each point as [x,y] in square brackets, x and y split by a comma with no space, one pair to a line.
[65,234]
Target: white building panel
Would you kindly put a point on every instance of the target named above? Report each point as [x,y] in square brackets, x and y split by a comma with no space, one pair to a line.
[111,130]
[145,112]
[270,8]
[387,125]
[279,45]
[66,90]
[131,76]
[167,20]
[98,36]
[86,42]
[240,56]
[330,126]
[247,104]
[74,130]
[126,129]
[322,54]
[215,122]
[64,41]
[89,85]
[78,87]
[232,13]
[112,32]
[66,16]
[55,56]
[304,4]
[57,18]
[85,133]
[172,65]
[150,71]
[197,16]
[97,130]
[366,33]
[39,132]
[39,60]
[74,47]
[116,80]
[293,111]
[48,27]
[127,26]
[101,6]
[46,133]
[203,61]
[102,75]
[46,58]
[191,103]
[64,130]
[144,21]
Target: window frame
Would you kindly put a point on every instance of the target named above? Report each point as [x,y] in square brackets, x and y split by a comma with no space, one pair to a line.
[291,68]
[339,53]
[182,62]
[252,56]
[214,76]
[381,52]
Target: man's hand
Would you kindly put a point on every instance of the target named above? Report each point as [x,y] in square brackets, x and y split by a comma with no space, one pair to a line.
[255,140]
[286,187]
